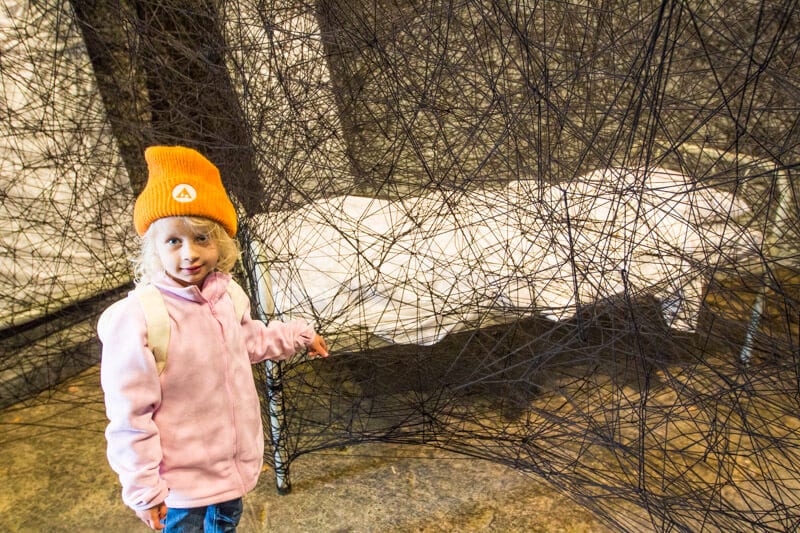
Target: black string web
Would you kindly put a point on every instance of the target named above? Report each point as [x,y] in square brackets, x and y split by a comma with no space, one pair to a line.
[559,236]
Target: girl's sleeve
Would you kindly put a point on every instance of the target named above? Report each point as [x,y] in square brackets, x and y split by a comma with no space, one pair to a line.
[132,391]
[277,340]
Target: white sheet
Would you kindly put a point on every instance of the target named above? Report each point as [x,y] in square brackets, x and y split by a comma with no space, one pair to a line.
[414,270]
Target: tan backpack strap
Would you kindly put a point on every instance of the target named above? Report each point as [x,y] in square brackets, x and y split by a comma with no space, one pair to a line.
[240,299]
[157,321]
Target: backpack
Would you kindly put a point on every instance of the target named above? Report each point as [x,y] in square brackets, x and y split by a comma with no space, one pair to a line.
[157,319]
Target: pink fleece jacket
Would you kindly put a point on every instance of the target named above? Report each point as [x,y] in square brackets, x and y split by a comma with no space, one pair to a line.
[192,436]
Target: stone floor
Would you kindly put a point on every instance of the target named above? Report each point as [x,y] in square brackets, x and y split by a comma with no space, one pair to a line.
[56,479]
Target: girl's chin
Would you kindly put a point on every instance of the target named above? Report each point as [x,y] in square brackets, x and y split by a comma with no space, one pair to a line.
[187,279]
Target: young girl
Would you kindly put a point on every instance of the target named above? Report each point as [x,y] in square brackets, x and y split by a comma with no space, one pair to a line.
[187,441]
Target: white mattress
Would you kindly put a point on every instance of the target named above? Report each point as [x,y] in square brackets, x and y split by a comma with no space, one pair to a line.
[414,270]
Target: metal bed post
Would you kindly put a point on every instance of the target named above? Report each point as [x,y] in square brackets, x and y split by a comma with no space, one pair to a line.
[781,217]
[770,253]
[261,289]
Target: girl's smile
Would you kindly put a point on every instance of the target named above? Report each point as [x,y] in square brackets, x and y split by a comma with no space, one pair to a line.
[187,256]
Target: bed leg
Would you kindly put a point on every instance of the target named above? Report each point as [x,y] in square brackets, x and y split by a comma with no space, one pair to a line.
[277,426]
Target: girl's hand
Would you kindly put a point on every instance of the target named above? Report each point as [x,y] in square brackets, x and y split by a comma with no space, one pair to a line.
[318,348]
[153,516]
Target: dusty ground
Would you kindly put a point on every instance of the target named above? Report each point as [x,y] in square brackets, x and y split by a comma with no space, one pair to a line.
[56,479]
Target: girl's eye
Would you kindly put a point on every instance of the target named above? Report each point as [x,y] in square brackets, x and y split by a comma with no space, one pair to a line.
[173,241]
[202,238]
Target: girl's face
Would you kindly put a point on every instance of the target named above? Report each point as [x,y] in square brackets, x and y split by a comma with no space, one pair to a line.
[187,257]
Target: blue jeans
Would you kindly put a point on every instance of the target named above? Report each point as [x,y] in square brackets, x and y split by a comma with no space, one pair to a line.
[217,518]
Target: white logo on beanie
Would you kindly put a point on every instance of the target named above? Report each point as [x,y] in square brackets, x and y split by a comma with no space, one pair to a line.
[184,193]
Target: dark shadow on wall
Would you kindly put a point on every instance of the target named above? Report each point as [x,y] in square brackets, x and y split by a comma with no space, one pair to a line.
[161,69]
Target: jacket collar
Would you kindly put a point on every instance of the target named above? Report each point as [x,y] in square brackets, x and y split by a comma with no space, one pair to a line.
[214,286]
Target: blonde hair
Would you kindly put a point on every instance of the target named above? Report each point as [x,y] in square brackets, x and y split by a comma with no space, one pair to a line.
[148,264]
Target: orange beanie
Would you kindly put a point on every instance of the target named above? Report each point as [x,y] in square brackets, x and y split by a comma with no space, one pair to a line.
[181,182]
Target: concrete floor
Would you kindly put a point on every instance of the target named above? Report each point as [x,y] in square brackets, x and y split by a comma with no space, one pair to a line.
[56,479]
